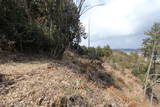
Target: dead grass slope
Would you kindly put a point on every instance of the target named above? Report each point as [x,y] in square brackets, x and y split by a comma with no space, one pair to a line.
[31,81]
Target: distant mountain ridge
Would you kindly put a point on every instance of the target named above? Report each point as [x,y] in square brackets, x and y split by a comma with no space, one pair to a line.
[129,50]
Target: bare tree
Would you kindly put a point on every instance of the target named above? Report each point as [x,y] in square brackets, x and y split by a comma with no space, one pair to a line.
[83,7]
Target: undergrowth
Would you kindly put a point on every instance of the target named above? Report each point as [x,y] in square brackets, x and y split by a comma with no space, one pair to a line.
[137,63]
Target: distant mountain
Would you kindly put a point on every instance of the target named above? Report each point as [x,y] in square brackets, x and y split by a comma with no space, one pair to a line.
[129,50]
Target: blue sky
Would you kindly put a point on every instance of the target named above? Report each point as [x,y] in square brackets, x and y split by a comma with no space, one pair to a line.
[120,23]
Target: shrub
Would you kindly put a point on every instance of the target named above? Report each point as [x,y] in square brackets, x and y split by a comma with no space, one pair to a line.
[120,60]
[94,52]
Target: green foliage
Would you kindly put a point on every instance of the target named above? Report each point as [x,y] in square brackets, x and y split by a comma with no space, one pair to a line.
[94,52]
[136,98]
[139,73]
[137,63]
[151,46]
[50,26]
[120,59]
[154,37]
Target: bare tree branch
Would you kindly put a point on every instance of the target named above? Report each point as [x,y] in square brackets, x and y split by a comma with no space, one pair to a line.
[82,8]
[85,10]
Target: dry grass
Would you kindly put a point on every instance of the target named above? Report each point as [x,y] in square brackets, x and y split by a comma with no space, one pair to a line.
[35,82]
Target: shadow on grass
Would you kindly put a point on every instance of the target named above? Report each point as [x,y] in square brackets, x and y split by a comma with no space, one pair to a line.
[94,72]
[99,76]
[149,95]
[72,101]
[4,83]
[8,57]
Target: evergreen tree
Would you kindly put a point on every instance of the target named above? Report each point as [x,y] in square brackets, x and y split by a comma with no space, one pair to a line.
[50,26]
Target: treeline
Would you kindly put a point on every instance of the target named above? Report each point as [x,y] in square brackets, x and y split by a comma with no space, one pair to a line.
[48,26]
[93,52]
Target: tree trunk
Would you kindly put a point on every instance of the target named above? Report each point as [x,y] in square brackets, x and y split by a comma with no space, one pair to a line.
[149,68]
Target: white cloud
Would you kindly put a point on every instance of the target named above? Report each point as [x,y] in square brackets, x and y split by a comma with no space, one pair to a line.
[121,18]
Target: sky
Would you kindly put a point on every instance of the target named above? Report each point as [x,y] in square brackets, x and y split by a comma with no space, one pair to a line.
[120,23]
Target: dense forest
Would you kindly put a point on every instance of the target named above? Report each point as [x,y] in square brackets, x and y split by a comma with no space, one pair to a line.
[48,26]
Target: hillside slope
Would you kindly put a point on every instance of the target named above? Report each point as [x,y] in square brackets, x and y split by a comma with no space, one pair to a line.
[35,81]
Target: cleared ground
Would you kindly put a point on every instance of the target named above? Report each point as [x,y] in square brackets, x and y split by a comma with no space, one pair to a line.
[33,81]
